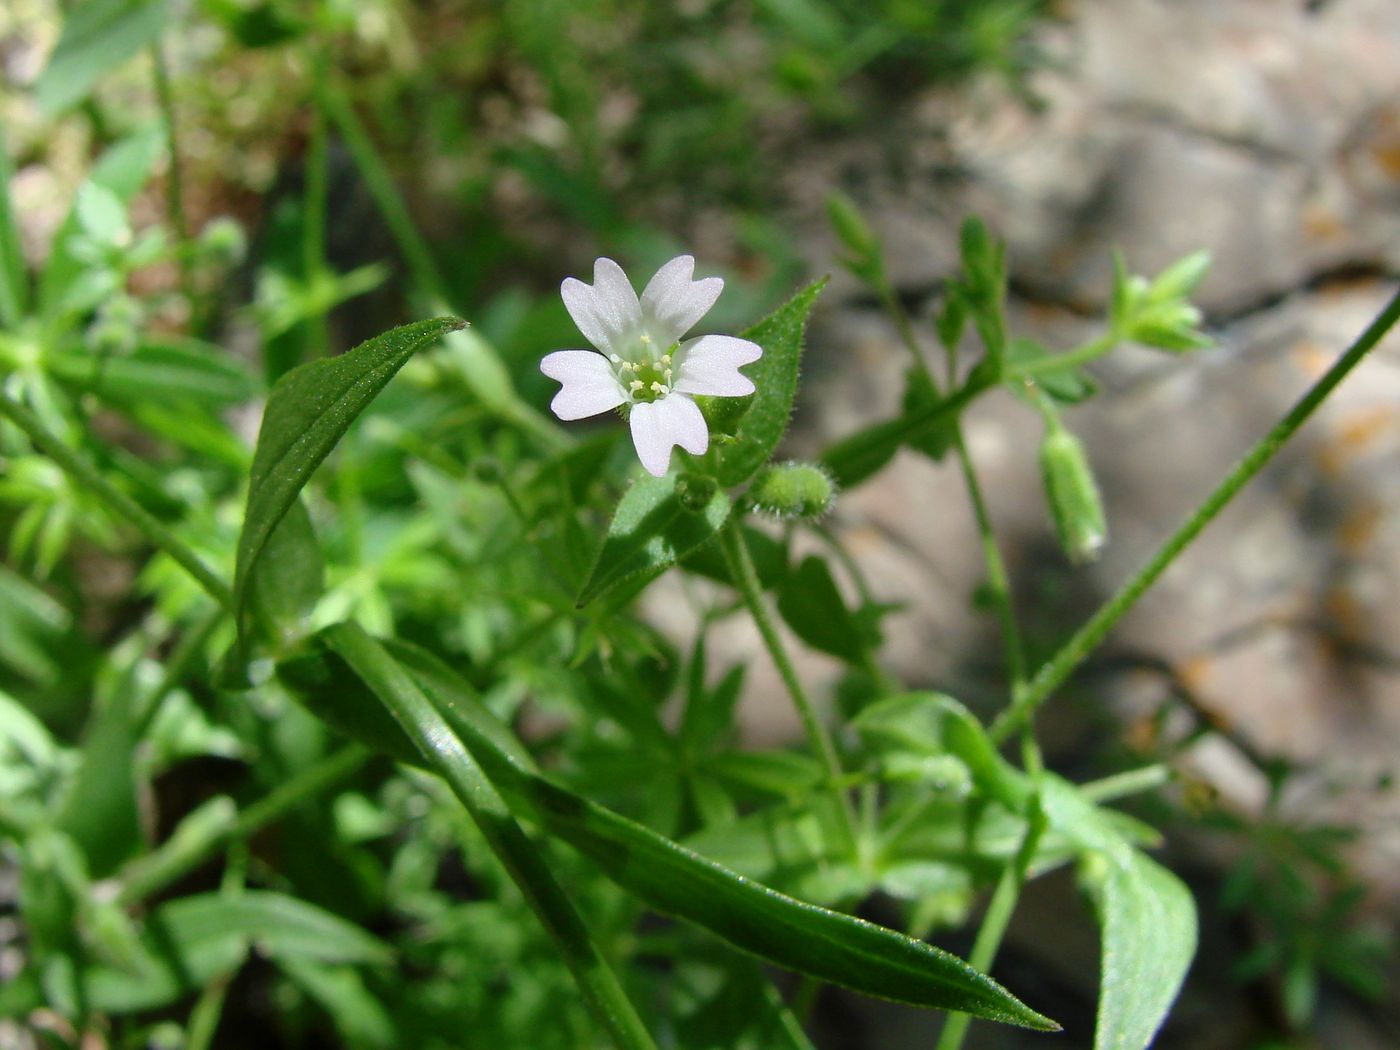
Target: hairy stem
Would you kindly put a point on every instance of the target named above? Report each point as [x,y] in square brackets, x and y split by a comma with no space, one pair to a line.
[741,568]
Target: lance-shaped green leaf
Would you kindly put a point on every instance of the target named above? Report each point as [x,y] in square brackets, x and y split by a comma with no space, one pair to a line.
[827,945]
[308,411]
[98,36]
[658,521]
[1149,939]
[774,377]
[390,683]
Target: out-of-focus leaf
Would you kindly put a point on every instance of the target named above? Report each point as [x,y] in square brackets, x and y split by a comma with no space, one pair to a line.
[32,628]
[123,169]
[358,1016]
[657,522]
[1149,939]
[279,926]
[100,809]
[769,560]
[812,606]
[98,36]
[163,371]
[775,378]
[14,278]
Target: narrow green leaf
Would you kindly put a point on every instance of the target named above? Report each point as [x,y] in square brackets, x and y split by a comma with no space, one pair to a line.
[827,945]
[358,1016]
[775,378]
[427,726]
[183,370]
[308,411]
[100,809]
[1149,939]
[14,278]
[658,521]
[278,925]
[1068,385]
[812,606]
[98,36]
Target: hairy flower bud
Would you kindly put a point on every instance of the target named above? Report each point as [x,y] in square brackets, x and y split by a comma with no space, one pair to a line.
[792,490]
[1072,494]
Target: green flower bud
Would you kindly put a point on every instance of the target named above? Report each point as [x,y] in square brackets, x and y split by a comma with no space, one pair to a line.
[792,490]
[695,491]
[722,414]
[1072,494]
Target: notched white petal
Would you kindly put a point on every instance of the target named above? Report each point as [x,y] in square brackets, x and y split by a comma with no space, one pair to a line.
[659,425]
[710,365]
[607,312]
[589,386]
[672,303]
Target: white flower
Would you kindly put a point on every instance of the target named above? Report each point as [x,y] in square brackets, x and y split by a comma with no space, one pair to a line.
[641,362]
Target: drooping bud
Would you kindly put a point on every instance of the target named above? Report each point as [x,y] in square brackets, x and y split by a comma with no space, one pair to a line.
[792,490]
[1073,494]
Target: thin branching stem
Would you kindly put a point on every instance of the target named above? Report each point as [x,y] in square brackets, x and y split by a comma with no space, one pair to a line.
[1054,673]
[745,577]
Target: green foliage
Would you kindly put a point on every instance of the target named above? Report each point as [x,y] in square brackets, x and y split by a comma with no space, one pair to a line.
[189,834]
[765,421]
[308,411]
[657,523]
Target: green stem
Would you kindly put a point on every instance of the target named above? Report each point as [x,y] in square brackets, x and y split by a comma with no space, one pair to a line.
[313,217]
[87,475]
[176,858]
[998,580]
[413,247]
[1131,782]
[1053,674]
[998,917]
[204,1018]
[741,569]
[175,184]
[526,864]
[1080,355]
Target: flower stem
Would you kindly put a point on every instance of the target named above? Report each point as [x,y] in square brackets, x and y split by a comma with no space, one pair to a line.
[1053,674]
[745,577]
[175,188]
[83,472]
[1080,355]
[313,213]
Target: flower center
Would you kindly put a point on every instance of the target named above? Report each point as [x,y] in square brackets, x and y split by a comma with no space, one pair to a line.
[649,377]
